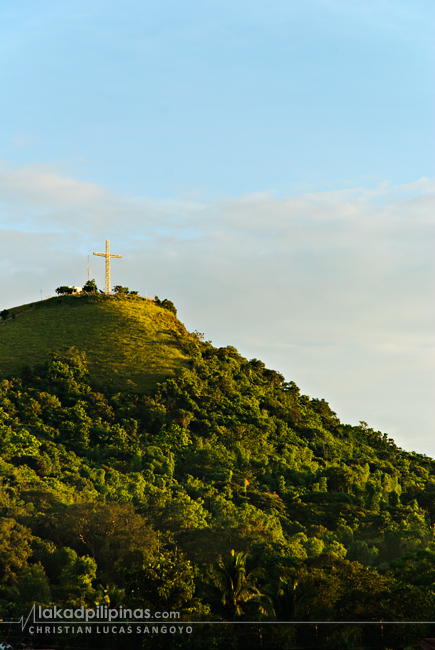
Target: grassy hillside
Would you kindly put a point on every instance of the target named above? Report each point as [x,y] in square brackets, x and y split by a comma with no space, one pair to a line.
[130,342]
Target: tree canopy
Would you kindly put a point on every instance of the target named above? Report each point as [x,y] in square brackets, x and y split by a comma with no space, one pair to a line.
[225,493]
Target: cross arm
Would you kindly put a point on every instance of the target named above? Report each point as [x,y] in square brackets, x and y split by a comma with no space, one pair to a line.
[100,254]
[115,255]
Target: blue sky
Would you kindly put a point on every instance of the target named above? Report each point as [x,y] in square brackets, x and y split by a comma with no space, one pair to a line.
[266,165]
[222,97]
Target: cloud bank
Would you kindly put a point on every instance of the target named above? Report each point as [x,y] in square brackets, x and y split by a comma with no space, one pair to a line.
[334,289]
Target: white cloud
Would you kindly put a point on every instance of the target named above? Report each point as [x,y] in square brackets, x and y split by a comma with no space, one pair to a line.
[334,289]
[43,185]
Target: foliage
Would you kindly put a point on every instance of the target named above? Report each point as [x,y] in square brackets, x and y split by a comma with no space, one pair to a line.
[64,290]
[236,586]
[166,304]
[90,286]
[164,581]
[124,291]
[224,493]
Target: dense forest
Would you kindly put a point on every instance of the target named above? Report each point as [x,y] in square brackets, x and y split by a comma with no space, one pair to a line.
[225,495]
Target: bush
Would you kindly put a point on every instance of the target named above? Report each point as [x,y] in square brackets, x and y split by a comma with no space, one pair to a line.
[119,289]
[64,290]
[166,304]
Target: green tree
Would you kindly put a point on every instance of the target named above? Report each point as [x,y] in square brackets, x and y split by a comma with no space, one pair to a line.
[90,286]
[164,580]
[14,549]
[291,599]
[75,582]
[237,587]
[183,513]
[64,290]
[109,532]
[32,586]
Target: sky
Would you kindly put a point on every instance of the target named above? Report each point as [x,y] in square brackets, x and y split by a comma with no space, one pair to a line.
[267,166]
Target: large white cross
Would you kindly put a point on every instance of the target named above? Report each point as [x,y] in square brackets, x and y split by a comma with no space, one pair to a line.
[107,255]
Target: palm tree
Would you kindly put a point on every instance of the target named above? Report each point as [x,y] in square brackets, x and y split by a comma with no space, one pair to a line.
[110,595]
[237,587]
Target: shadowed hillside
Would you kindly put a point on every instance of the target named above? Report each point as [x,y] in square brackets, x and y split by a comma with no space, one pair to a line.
[130,342]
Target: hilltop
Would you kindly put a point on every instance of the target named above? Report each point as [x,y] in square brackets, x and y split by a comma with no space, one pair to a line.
[130,342]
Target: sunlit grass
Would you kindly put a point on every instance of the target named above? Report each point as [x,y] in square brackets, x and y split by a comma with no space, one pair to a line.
[129,342]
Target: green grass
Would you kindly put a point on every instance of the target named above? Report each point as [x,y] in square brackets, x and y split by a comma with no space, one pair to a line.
[130,342]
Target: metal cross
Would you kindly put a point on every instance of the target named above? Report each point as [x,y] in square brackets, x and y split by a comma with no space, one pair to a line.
[107,255]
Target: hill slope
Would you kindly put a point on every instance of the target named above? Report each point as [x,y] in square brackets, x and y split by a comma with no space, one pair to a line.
[223,475]
[130,342]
